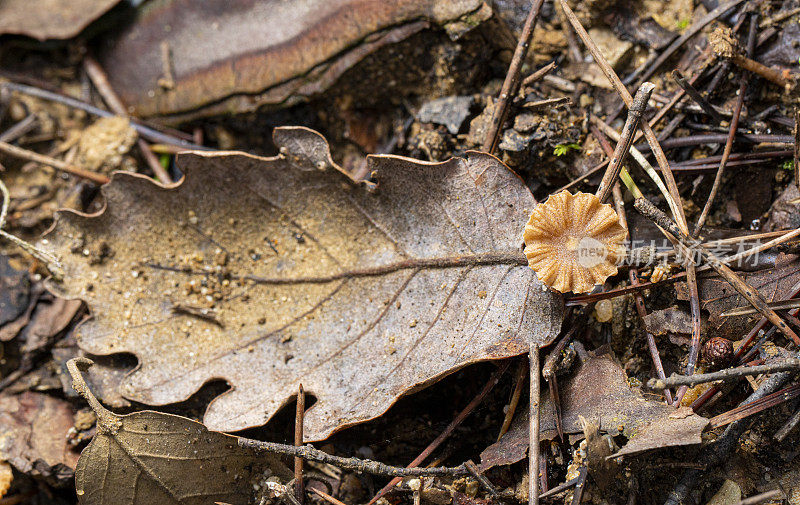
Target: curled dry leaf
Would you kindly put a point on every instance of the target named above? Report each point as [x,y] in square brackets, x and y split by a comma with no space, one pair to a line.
[150,457]
[573,242]
[259,52]
[269,272]
[50,19]
[599,392]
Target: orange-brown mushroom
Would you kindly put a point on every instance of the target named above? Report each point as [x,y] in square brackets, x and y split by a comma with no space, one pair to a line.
[574,242]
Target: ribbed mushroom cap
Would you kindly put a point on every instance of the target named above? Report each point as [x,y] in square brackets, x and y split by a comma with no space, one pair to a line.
[574,242]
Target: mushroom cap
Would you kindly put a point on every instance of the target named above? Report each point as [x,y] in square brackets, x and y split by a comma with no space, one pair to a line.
[574,242]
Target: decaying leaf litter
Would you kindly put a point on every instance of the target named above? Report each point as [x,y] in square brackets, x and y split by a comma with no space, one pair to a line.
[200,276]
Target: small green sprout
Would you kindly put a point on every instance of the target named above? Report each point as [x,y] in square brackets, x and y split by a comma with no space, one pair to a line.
[683,24]
[562,149]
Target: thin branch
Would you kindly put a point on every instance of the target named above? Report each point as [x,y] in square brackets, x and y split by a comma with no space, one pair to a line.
[533,432]
[25,154]
[145,131]
[519,381]
[539,74]
[723,375]
[309,453]
[50,262]
[787,428]
[760,498]
[299,488]
[100,80]
[482,479]
[511,83]
[784,395]
[651,341]
[19,129]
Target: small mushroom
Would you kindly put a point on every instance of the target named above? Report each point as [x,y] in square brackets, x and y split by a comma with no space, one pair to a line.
[574,242]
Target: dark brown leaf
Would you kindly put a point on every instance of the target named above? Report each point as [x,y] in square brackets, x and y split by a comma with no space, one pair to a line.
[150,457]
[14,291]
[361,296]
[33,428]
[258,51]
[50,19]
[599,392]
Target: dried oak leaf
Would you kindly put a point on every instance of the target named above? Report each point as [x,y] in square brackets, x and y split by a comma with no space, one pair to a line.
[50,19]
[268,272]
[599,392]
[33,433]
[150,457]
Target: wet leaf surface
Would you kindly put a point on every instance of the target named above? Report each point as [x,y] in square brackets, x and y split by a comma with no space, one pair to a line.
[33,433]
[257,51]
[150,457]
[50,19]
[599,393]
[268,272]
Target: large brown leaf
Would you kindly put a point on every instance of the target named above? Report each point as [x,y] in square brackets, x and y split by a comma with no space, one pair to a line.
[150,457]
[237,55]
[305,276]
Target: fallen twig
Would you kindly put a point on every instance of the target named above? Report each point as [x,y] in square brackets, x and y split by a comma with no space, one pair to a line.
[651,341]
[722,375]
[100,80]
[533,433]
[299,488]
[754,407]
[759,498]
[695,95]
[150,134]
[737,112]
[309,453]
[25,154]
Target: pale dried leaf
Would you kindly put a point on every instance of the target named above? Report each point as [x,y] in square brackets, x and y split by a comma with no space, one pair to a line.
[268,272]
[50,19]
